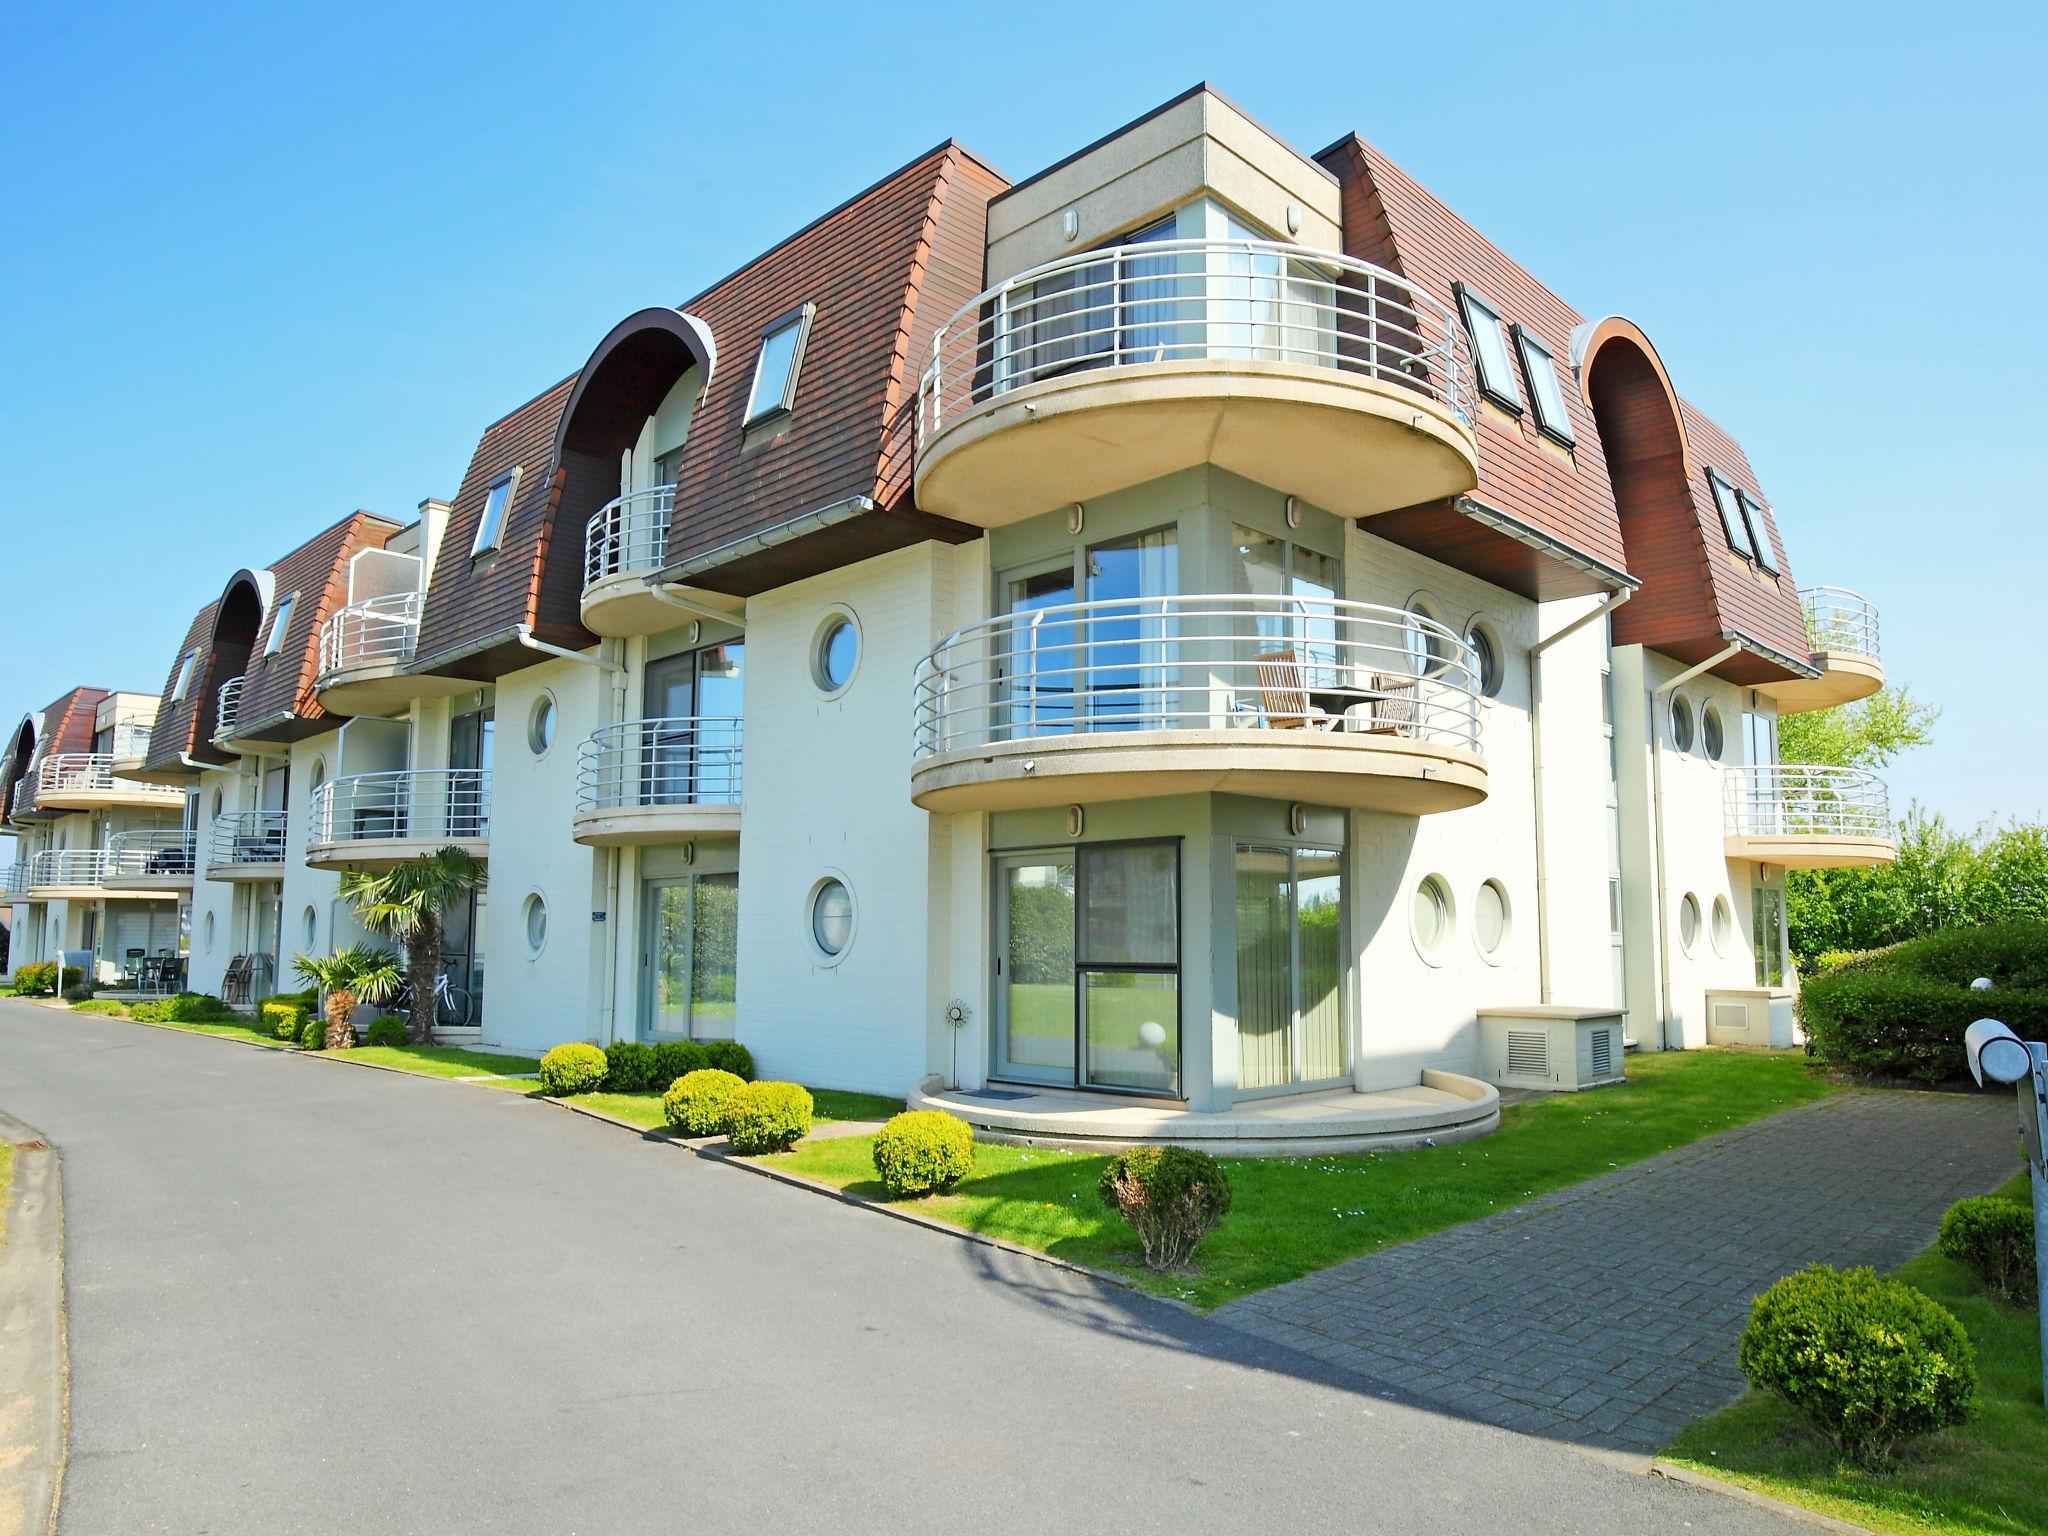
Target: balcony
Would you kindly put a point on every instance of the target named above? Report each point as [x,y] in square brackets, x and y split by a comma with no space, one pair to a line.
[375,820]
[14,881]
[1841,630]
[658,781]
[1808,817]
[364,648]
[1320,375]
[246,845]
[1312,699]
[157,860]
[227,708]
[129,742]
[87,781]
[89,874]
[624,543]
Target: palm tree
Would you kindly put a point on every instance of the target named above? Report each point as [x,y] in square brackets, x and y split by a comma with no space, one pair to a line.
[356,973]
[408,902]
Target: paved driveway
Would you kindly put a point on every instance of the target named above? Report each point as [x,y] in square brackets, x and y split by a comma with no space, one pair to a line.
[312,1298]
[1608,1313]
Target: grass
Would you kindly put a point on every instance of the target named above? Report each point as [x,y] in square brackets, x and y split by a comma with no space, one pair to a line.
[442,1061]
[644,1109]
[1292,1216]
[232,1029]
[1989,1475]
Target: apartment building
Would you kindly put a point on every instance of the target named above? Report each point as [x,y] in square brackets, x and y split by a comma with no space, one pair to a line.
[1196,641]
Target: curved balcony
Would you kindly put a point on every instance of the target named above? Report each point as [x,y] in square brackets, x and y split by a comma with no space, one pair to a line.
[246,845]
[86,781]
[1808,817]
[1292,698]
[375,820]
[364,647]
[159,860]
[1311,372]
[624,543]
[89,874]
[14,881]
[659,781]
[227,708]
[130,734]
[1841,630]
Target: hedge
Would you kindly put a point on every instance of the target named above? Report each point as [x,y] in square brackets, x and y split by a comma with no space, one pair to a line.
[570,1069]
[386,1029]
[1993,1237]
[39,978]
[696,1103]
[1901,1012]
[283,1018]
[767,1117]
[105,1007]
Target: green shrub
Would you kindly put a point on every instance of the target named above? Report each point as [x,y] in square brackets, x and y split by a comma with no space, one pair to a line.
[696,1103]
[923,1150]
[629,1066]
[308,999]
[574,1068]
[674,1059]
[1173,1197]
[767,1117]
[105,1007]
[386,1029]
[1901,1012]
[39,978]
[729,1056]
[80,992]
[1994,1237]
[196,1008]
[151,1010]
[313,1033]
[283,1018]
[1867,1361]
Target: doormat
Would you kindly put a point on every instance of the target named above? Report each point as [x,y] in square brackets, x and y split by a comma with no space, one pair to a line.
[998,1094]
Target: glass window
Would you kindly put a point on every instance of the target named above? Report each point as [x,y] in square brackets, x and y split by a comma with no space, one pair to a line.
[1428,644]
[280,620]
[1432,915]
[1289,966]
[837,653]
[1759,531]
[1681,722]
[1762,733]
[1130,642]
[490,527]
[832,918]
[308,922]
[1485,659]
[1552,419]
[1723,925]
[540,725]
[775,370]
[184,682]
[1712,737]
[1689,921]
[1490,350]
[536,923]
[1730,507]
[1490,917]
[1128,951]
[1767,904]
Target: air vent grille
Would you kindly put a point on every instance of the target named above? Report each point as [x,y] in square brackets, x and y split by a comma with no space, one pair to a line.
[1603,1052]
[1733,1017]
[1528,1053]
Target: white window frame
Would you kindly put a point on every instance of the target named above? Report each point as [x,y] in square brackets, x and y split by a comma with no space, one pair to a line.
[490,529]
[186,665]
[1546,394]
[800,318]
[1503,391]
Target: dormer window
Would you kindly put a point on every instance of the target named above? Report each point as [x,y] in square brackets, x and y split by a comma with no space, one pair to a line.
[1490,350]
[1759,532]
[279,621]
[490,528]
[1729,505]
[775,370]
[184,682]
[1552,420]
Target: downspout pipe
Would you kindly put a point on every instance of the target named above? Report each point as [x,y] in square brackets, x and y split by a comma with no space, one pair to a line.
[1614,600]
[524,635]
[696,610]
[1657,695]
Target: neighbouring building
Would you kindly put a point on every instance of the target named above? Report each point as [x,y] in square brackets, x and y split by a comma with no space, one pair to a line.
[1197,632]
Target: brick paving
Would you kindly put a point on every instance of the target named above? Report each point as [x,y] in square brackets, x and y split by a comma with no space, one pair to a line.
[1607,1314]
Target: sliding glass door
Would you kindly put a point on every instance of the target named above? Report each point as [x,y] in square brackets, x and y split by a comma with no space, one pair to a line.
[692,949]
[1035,965]
[1290,967]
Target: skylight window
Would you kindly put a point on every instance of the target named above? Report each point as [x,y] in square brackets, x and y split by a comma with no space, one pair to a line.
[1552,419]
[1726,502]
[490,528]
[1490,350]
[184,682]
[279,622]
[1759,532]
[775,370]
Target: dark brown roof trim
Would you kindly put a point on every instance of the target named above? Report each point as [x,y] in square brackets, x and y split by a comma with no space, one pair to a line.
[1501,522]
[790,528]
[1798,666]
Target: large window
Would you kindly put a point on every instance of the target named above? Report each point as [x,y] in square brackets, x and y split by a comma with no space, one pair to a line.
[1759,531]
[776,369]
[280,620]
[1490,350]
[1304,630]
[183,685]
[1767,907]
[1729,506]
[1551,417]
[693,947]
[490,526]
[1290,967]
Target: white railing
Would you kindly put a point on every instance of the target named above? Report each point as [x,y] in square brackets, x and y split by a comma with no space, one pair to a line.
[14,879]
[131,736]
[628,533]
[1169,301]
[157,852]
[678,761]
[1789,800]
[86,772]
[81,866]
[247,837]
[442,803]
[377,630]
[227,705]
[1198,662]
[1840,621]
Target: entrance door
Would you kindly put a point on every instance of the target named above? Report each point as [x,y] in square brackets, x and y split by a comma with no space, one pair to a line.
[1035,964]
[692,953]
[1289,967]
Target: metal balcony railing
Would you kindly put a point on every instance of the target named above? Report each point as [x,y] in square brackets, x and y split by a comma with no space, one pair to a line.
[1165,301]
[157,852]
[427,804]
[375,631]
[247,837]
[87,772]
[14,879]
[628,533]
[130,736]
[1790,800]
[80,867]
[1839,621]
[680,761]
[1198,662]
[227,705]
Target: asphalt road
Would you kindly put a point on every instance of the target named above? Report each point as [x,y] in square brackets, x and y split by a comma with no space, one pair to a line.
[306,1297]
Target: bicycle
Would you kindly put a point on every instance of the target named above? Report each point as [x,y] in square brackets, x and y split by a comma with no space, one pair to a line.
[451,1003]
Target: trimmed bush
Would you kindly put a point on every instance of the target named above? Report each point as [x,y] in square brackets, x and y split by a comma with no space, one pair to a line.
[1173,1197]
[284,1018]
[1867,1361]
[39,978]
[386,1029]
[923,1151]
[570,1069]
[629,1067]
[82,992]
[767,1117]
[1901,1012]
[1994,1237]
[696,1102]
[729,1056]
[105,1007]
[313,1033]
[308,999]
[197,1008]
[674,1059]
[151,1010]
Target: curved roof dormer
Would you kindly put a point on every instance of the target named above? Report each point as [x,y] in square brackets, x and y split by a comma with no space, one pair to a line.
[632,371]
[21,751]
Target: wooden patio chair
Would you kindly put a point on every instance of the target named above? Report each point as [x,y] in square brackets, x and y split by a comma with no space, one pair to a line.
[1392,704]
[1284,704]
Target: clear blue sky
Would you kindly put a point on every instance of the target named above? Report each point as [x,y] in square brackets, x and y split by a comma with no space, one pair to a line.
[265,264]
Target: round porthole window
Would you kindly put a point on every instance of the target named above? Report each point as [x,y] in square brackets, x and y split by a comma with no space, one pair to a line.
[1490,918]
[835,653]
[1689,922]
[309,924]
[831,918]
[1432,916]
[1712,737]
[1427,642]
[319,771]
[1724,925]
[540,725]
[1681,723]
[218,802]
[1485,658]
[535,918]
[209,932]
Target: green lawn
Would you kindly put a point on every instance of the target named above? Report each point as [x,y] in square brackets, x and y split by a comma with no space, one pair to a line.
[1990,1475]
[443,1061]
[230,1029]
[644,1109]
[1291,1216]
